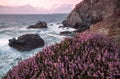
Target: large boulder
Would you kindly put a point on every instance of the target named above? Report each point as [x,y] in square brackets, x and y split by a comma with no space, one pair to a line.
[40,24]
[89,12]
[26,42]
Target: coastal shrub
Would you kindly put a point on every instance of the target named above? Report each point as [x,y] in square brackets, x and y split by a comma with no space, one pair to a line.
[86,56]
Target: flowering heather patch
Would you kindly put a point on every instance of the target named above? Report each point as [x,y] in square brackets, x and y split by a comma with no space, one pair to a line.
[87,56]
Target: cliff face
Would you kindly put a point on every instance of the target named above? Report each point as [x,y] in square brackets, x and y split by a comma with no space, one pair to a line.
[101,16]
[89,12]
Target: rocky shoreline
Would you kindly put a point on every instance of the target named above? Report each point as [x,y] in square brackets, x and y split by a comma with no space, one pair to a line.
[29,42]
[102,16]
[94,53]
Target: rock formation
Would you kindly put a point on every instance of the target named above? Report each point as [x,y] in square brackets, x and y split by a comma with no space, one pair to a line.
[89,12]
[26,42]
[101,16]
[40,24]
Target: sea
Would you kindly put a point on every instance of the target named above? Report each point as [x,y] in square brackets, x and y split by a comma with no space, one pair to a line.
[15,25]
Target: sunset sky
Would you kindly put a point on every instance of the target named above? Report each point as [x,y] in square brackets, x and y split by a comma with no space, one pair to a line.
[38,6]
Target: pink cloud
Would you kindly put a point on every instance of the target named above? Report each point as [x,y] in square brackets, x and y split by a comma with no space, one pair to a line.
[60,9]
[36,6]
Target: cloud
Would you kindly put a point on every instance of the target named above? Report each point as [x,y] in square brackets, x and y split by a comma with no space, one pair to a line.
[28,9]
[63,8]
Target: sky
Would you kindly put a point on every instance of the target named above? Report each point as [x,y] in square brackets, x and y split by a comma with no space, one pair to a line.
[37,6]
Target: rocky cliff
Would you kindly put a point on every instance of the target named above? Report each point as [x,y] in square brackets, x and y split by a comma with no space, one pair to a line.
[89,12]
[110,27]
[101,16]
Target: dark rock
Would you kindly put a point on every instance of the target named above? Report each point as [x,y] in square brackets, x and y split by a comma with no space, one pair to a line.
[65,23]
[57,23]
[27,42]
[51,24]
[80,26]
[65,33]
[61,26]
[76,26]
[41,24]
[89,12]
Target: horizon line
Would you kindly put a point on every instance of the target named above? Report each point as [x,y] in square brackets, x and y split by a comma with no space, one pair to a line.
[33,13]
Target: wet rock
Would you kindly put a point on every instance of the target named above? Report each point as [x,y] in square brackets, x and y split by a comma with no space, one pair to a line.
[61,26]
[67,33]
[40,24]
[26,42]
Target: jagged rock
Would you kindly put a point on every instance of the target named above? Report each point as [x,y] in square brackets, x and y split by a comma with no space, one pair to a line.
[40,24]
[101,16]
[89,12]
[27,42]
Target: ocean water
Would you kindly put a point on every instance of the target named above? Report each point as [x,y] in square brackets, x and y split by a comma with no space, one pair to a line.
[15,25]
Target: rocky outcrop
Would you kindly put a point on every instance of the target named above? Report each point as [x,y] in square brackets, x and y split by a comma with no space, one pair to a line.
[110,27]
[89,12]
[101,16]
[40,24]
[26,42]
[72,20]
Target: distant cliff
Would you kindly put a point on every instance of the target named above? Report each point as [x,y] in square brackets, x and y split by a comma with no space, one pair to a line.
[89,12]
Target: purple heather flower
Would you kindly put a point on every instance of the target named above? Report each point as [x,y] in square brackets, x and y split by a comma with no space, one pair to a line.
[86,55]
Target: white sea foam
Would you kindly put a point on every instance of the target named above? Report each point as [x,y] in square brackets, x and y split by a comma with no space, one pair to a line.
[17,26]
[57,36]
[56,28]
[3,41]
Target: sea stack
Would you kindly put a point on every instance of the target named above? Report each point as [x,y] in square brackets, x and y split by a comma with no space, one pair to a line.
[40,24]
